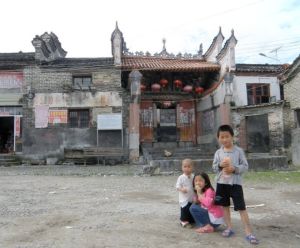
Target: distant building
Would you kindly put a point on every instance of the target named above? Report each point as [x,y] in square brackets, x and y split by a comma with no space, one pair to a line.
[291,82]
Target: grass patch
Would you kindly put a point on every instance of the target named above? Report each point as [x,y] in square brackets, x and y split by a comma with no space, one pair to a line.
[273,176]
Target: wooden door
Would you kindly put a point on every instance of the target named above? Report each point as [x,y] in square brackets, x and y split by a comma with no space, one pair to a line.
[146,121]
[186,122]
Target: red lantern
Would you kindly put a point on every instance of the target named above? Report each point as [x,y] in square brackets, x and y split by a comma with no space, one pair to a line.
[163,82]
[188,88]
[167,104]
[143,87]
[199,90]
[178,83]
[155,87]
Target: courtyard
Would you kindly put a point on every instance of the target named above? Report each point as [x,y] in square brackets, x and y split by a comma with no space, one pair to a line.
[115,206]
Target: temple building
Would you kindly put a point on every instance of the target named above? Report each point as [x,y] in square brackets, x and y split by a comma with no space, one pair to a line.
[168,105]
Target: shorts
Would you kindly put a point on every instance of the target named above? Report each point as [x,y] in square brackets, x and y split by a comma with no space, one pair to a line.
[235,191]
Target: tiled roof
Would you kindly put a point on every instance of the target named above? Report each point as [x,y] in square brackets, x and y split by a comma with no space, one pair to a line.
[16,60]
[166,64]
[259,68]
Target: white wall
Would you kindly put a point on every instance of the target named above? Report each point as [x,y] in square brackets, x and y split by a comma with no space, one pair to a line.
[240,89]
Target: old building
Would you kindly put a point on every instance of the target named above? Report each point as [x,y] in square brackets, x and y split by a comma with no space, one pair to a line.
[13,92]
[291,83]
[259,113]
[57,100]
[52,106]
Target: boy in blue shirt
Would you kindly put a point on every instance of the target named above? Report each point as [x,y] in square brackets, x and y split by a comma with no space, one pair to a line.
[229,164]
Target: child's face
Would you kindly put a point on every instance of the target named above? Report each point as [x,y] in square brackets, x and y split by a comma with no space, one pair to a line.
[199,181]
[225,139]
[187,168]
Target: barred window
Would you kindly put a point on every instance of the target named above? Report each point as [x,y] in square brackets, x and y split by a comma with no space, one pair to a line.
[82,82]
[79,118]
[258,93]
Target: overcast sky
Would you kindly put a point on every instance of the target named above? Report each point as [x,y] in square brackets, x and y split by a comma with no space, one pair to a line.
[84,27]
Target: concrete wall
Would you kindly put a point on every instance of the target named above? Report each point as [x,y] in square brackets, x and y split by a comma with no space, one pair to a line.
[210,117]
[240,89]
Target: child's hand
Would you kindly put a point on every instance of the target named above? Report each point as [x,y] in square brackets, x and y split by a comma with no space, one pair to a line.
[197,188]
[184,190]
[229,169]
[226,162]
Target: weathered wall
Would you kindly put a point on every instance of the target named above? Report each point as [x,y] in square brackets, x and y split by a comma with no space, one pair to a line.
[54,89]
[296,146]
[278,119]
[210,117]
[291,92]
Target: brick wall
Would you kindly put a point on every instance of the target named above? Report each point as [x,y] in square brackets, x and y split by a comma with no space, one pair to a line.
[291,92]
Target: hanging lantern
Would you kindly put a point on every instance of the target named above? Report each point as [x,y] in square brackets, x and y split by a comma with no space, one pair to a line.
[188,88]
[178,83]
[167,104]
[163,82]
[199,90]
[155,87]
[143,87]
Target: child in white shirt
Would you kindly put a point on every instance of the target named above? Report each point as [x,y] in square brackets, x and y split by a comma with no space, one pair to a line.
[184,186]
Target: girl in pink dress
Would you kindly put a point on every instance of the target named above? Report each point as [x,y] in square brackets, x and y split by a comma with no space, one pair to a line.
[206,214]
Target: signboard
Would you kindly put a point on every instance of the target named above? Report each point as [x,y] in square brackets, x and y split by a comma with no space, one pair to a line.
[11,80]
[41,116]
[109,122]
[58,116]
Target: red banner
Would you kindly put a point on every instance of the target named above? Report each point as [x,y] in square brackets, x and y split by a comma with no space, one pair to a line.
[17,126]
[11,80]
[58,116]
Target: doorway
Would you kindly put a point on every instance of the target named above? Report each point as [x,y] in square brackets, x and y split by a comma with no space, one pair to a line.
[166,125]
[258,133]
[6,134]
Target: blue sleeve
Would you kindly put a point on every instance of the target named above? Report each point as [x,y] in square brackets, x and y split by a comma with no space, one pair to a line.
[243,164]
[216,163]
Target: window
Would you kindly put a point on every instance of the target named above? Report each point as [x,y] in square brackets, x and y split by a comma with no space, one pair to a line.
[79,118]
[258,93]
[82,82]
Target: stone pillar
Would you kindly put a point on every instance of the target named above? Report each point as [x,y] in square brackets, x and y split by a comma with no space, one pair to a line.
[134,115]
[225,114]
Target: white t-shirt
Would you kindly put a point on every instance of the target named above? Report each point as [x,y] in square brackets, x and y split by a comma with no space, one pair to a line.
[186,182]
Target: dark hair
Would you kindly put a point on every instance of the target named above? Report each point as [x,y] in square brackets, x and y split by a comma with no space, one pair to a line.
[206,180]
[225,128]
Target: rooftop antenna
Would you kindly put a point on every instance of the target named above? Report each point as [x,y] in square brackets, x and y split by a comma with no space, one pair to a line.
[275,51]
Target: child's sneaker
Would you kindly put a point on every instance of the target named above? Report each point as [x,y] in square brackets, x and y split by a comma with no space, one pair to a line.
[184,223]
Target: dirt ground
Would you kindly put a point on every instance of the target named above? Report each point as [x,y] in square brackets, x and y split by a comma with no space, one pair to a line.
[93,207]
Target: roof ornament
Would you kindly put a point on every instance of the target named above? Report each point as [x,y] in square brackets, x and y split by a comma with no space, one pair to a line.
[200,51]
[164,52]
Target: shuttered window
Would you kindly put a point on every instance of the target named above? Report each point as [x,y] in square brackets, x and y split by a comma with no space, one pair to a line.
[258,93]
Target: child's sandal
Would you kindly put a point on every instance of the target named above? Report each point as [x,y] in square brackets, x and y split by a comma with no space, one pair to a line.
[252,239]
[227,233]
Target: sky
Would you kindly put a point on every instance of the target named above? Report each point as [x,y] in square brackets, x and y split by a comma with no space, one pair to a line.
[268,27]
